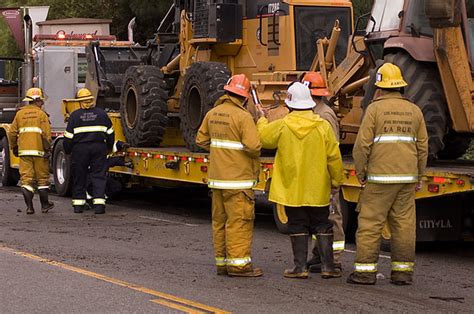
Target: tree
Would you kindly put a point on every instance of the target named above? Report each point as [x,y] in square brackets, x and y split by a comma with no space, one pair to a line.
[148,13]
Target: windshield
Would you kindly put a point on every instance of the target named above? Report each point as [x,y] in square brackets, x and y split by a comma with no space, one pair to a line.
[313,23]
[417,23]
[386,15]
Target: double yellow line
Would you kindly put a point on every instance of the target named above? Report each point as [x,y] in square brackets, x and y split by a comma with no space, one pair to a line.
[164,299]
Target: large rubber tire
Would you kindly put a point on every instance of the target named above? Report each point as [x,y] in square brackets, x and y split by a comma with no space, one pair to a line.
[143,106]
[62,170]
[203,85]
[281,219]
[10,176]
[425,90]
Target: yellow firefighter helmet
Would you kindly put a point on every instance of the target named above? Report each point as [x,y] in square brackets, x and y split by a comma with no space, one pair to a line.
[85,98]
[33,94]
[389,76]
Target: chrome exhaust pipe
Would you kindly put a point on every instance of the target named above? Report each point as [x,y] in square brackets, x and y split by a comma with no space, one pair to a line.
[131,25]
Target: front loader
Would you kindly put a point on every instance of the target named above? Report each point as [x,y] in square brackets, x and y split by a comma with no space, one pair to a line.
[199,44]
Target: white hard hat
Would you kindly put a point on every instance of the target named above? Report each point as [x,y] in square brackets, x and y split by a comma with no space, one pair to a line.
[299,97]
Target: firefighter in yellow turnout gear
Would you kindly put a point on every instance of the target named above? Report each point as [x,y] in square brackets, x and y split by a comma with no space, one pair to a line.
[390,156]
[319,91]
[307,165]
[229,133]
[30,139]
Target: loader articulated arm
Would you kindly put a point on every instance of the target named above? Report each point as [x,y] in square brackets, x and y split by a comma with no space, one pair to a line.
[452,60]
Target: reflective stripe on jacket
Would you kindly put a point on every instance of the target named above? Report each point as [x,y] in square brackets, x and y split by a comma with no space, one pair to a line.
[88,125]
[229,133]
[392,143]
[307,162]
[30,131]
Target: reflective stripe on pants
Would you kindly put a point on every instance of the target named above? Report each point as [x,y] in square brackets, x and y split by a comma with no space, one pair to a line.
[232,226]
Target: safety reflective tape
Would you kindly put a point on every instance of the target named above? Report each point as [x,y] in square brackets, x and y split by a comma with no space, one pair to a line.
[394,139]
[402,266]
[31,130]
[217,184]
[239,261]
[110,131]
[88,196]
[43,187]
[29,188]
[98,201]
[220,261]
[87,129]
[31,153]
[338,245]
[78,202]
[365,268]
[227,144]
[68,135]
[114,148]
[392,178]
[314,237]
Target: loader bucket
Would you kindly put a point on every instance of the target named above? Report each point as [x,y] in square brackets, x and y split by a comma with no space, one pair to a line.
[106,66]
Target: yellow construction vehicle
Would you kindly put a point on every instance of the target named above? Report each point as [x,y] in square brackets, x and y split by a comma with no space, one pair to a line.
[432,41]
[182,71]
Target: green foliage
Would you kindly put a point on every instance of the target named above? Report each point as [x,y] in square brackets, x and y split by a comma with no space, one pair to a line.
[362,6]
[148,13]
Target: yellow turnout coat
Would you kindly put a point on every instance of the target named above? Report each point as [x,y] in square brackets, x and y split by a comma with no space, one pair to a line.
[308,161]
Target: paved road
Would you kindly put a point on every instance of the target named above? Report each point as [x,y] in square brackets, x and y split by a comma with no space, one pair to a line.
[152,252]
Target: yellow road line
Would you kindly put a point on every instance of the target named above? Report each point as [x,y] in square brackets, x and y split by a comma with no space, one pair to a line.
[176,306]
[118,282]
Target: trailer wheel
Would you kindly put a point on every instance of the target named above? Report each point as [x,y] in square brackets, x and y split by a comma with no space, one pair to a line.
[281,219]
[10,176]
[62,170]
[143,106]
[203,85]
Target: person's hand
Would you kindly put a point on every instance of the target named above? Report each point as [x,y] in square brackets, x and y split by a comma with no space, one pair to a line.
[261,112]
[47,155]
[362,182]
[15,151]
[418,186]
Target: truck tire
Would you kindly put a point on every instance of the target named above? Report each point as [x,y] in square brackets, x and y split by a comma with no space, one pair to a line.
[62,170]
[425,90]
[10,176]
[203,85]
[281,219]
[143,106]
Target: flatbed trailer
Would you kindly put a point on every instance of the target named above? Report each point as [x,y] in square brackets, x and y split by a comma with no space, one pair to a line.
[445,203]
[445,209]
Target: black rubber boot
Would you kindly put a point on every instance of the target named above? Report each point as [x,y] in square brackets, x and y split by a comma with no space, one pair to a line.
[99,209]
[299,245]
[314,264]
[28,196]
[78,209]
[46,205]
[325,241]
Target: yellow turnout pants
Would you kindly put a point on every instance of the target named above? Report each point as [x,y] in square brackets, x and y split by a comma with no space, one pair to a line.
[394,203]
[34,172]
[233,214]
